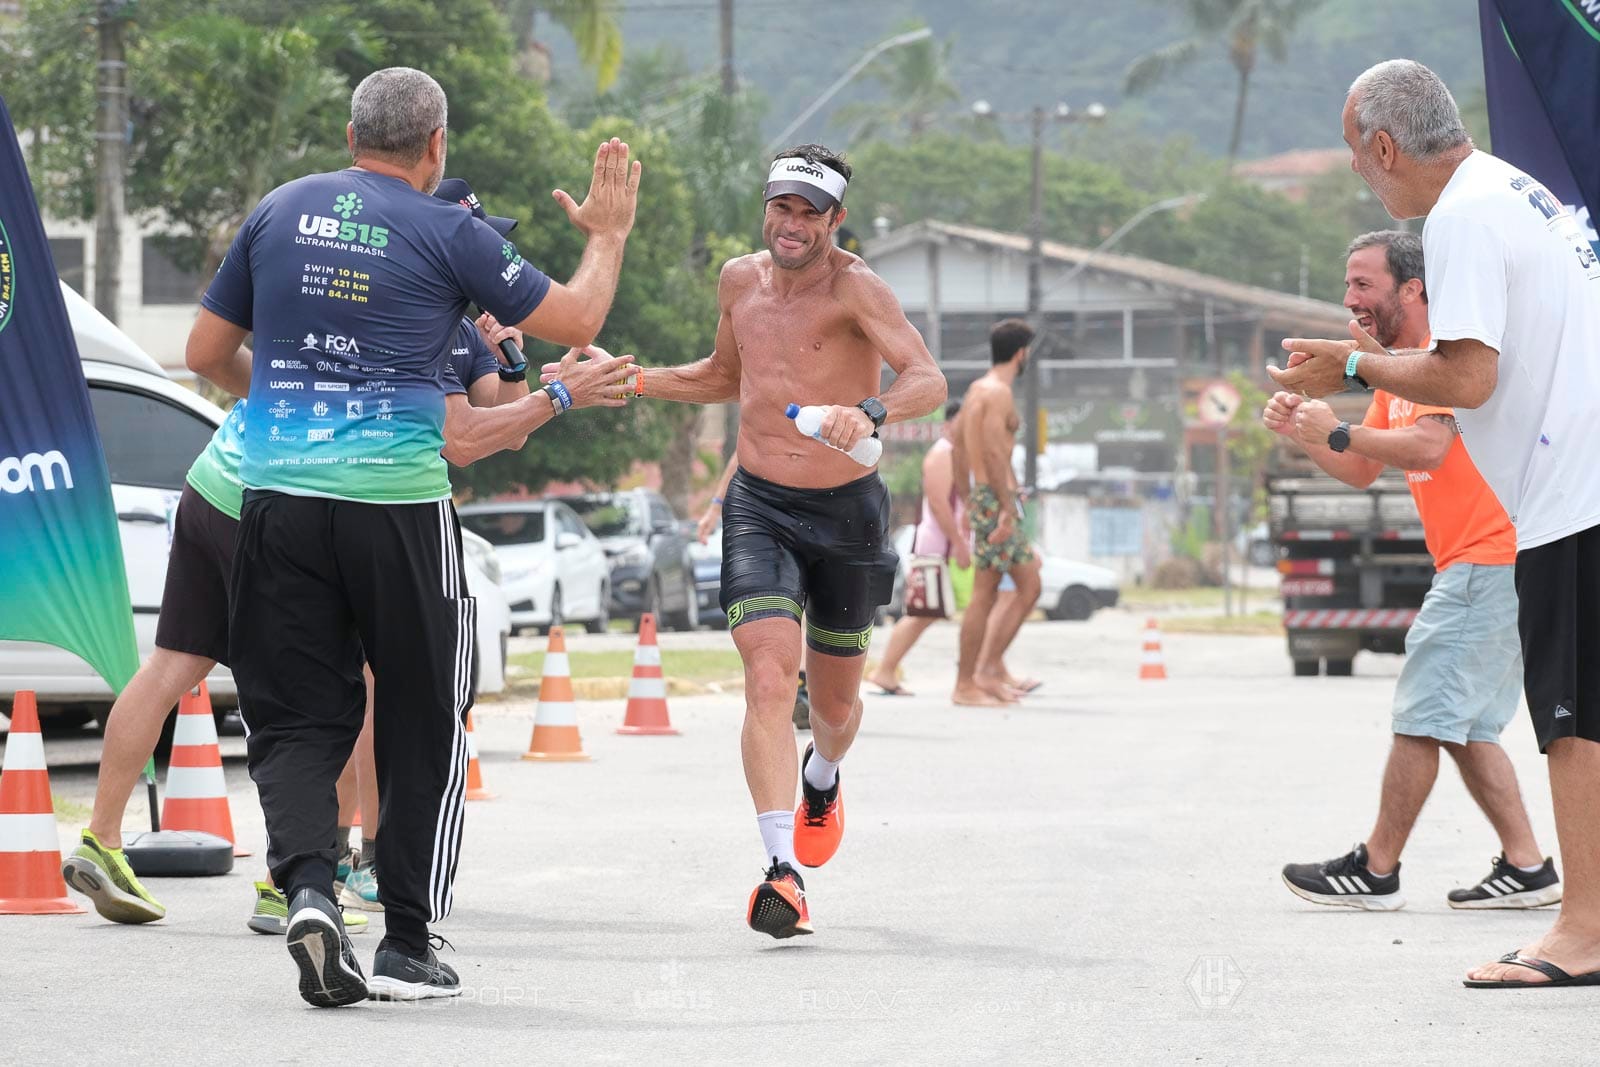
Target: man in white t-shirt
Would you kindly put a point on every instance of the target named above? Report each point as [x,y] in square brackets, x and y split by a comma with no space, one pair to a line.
[1514,310]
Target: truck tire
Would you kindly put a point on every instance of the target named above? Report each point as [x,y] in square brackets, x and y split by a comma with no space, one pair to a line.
[1306,668]
[1341,668]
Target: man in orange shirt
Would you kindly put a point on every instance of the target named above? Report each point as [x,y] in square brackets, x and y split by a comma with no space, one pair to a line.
[1463,669]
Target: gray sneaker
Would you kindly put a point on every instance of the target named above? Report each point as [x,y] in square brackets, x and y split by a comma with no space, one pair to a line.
[330,977]
[398,975]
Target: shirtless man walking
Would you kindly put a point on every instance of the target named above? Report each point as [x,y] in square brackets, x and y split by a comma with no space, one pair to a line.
[805,528]
[984,439]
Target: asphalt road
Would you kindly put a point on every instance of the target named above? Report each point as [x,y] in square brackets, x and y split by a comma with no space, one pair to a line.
[1090,877]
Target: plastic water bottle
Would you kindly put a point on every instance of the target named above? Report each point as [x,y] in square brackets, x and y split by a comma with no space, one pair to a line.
[808,420]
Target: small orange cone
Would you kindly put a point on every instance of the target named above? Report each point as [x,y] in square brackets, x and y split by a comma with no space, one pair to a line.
[647,693]
[1151,664]
[30,850]
[475,789]
[196,792]
[555,724]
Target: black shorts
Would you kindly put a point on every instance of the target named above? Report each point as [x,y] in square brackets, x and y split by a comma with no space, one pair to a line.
[1558,615]
[823,552]
[194,602]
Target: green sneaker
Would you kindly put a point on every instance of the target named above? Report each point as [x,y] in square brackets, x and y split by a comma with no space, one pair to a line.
[361,891]
[103,875]
[272,913]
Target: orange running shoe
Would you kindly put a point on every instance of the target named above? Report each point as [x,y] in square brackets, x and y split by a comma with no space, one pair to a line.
[818,821]
[778,905]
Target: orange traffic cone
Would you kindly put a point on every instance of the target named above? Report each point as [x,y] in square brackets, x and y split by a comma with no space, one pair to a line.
[647,693]
[1150,663]
[555,724]
[30,851]
[475,789]
[197,794]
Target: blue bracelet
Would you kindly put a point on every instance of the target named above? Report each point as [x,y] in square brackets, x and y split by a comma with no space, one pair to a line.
[558,394]
[717,500]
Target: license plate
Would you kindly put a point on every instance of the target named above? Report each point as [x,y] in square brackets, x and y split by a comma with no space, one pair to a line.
[1308,587]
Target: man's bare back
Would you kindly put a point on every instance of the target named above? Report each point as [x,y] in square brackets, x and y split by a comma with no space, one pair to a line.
[806,346]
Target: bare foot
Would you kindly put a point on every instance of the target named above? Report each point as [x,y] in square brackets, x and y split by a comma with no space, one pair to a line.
[998,688]
[1028,685]
[892,686]
[1574,953]
[972,696]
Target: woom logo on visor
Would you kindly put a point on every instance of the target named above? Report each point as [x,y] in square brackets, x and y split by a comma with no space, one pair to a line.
[792,175]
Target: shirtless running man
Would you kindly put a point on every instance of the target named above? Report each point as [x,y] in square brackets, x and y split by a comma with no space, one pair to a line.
[984,439]
[805,527]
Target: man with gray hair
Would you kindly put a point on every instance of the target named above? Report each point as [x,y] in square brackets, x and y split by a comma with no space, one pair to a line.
[353,283]
[1514,313]
[1458,689]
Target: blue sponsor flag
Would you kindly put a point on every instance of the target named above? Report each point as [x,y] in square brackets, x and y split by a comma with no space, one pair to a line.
[61,575]
[1541,65]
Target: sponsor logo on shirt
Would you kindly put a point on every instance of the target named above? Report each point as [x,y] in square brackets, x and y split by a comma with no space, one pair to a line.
[319,435]
[380,434]
[289,364]
[319,409]
[346,206]
[287,385]
[282,409]
[33,472]
[332,387]
[352,409]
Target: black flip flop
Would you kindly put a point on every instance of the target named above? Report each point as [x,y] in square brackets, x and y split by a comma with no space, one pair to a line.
[1557,976]
[893,691]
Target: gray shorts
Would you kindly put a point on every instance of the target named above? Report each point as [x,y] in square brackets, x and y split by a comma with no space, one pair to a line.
[1463,673]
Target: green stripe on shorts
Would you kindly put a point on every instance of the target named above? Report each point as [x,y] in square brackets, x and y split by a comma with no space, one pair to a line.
[762,606]
[852,640]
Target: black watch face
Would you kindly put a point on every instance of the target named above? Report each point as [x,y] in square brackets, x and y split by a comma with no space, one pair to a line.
[874,409]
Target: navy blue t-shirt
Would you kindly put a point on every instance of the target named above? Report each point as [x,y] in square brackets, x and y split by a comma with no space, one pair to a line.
[354,284]
[468,359]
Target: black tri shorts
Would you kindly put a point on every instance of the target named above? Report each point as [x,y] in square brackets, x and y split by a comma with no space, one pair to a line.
[194,602]
[1558,616]
[825,553]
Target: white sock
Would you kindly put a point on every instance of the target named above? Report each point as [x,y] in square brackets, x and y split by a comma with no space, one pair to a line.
[1530,870]
[821,773]
[777,836]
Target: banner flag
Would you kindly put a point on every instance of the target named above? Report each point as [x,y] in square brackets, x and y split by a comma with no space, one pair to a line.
[61,574]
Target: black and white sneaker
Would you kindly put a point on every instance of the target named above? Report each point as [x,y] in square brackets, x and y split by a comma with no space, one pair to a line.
[1509,886]
[1346,882]
[399,975]
[330,977]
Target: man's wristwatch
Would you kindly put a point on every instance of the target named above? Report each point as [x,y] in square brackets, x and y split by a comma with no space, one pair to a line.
[517,372]
[1351,378]
[1339,439]
[874,409]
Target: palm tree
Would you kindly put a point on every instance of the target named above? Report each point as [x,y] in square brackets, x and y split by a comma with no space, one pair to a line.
[593,25]
[1244,27]
[916,80]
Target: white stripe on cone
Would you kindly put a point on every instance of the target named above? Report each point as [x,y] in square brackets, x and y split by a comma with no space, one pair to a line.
[196,783]
[647,656]
[472,745]
[1151,656]
[556,713]
[555,665]
[648,689]
[29,833]
[24,752]
[194,730]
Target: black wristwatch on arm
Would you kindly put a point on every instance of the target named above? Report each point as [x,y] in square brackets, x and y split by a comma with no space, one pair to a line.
[874,409]
[1339,438]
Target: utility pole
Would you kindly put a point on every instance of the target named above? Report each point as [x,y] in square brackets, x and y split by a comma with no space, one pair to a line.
[111,135]
[1030,389]
[730,89]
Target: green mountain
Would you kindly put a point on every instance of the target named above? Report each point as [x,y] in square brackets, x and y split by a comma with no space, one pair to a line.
[1018,53]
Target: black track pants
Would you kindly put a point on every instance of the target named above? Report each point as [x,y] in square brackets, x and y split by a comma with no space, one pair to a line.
[317,585]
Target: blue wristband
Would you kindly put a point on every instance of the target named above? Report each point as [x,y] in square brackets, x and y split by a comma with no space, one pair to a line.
[559,396]
[1350,375]
[717,500]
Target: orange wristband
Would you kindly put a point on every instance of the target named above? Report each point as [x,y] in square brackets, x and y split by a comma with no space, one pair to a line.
[638,383]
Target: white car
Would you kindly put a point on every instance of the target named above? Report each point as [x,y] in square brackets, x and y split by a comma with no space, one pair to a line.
[1068,589]
[151,429]
[554,570]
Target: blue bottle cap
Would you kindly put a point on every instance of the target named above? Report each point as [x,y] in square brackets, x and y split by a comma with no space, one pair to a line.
[792,410]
